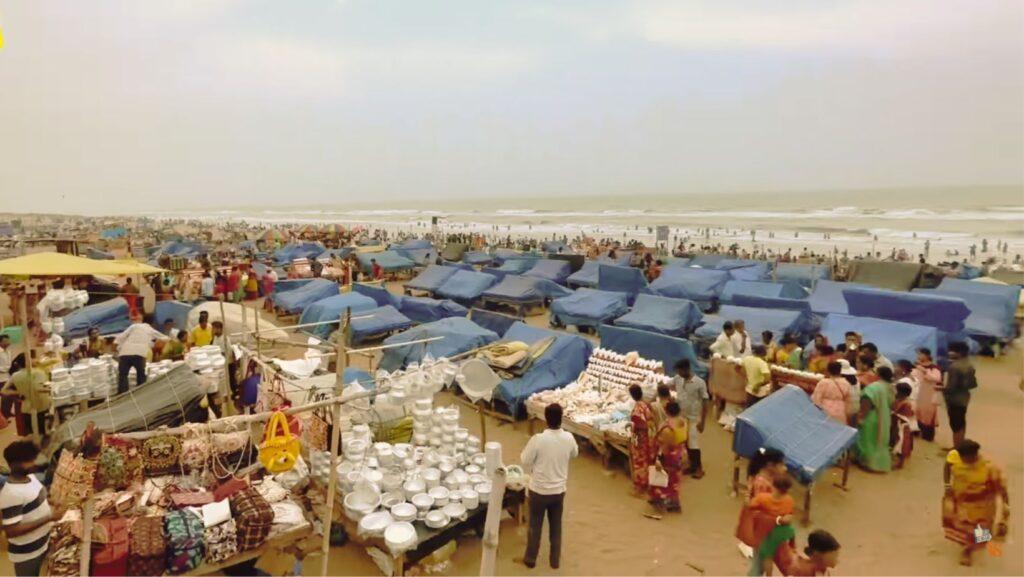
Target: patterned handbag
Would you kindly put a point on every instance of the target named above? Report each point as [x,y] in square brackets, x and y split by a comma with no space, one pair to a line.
[230,443]
[253,518]
[161,455]
[111,559]
[119,465]
[147,547]
[195,450]
[221,542]
[63,559]
[185,546]
[317,425]
[72,480]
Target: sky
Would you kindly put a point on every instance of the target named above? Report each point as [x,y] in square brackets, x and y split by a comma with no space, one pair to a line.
[137,105]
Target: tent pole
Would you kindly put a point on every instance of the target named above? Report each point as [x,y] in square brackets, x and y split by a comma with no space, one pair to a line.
[26,340]
[339,370]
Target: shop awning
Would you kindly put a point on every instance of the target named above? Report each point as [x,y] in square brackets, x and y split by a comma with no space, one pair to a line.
[59,264]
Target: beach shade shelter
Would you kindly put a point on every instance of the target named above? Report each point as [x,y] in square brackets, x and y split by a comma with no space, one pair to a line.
[426,309]
[626,280]
[779,322]
[295,250]
[493,321]
[588,308]
[110,317]
[465,287]
[787,420]
[827,297]
[517,265]
[946,313]
[894,339]
[113,233]
[331,309]
[761,288]
[341,253]
[622,258]
[556,366]
[476,257]
[377,323]
[454,251]
[414,244]
[550,269]
[389,261]
[522,292]
[296,301]
[585,277]
[236,320]
[459,265]
[459,334]
[59,264]
[650,345]
[668,316]
[805,275]
[430,278]
[900,276]
[993,307]
[97,254]
[379,294]
[702,286]
[747,270]
[290,284]
[419,256]
[176,311]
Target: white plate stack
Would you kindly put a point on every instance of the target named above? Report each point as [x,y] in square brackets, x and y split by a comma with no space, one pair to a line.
[81,382]
[422,420]
[60,386]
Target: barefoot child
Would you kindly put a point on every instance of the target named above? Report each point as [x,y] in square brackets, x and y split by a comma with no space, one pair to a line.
[903,426]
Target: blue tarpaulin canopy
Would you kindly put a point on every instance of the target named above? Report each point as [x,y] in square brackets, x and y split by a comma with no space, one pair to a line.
[331,309]
[296,301]
[460,335]
[586,276]
[992,313]
[292,251]
[380,295]
[761,288]
[116,232]
[341,253]
[945,313]
[109,317]
[458,265]
[588,308]
[465,286]
[522,289]
[177,311]
[806,275]
[552,270]
[476,257]
[741,269]
[779,322]
[828,298]
[648,345]
[626,280]
[493,321]
[787,420]
[420,256]
[621,258]
[377,322]
[696,284]
[560,364]
[707,260]
[759,302]
[182,248]
[426,309]
[389,261]
[431,278]
[669,316]
[414,244]
[894,339]
[290,284]
[518,265]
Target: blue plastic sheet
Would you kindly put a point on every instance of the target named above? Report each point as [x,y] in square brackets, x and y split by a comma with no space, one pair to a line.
[109,317]
[341,253]
[696,284]
[1010,292]
[296,301]
[518,265]
[116,232]
[182,248]
[292,251]
[894,339]
[331,309]
[552,270]
[460,335]
[588,308]
[806,275]
[992,315]
[414,244]
[380,295]
[586,276]
[431,278]
[707,260]
[779,322]
[787,420]
[389,261]
[290,284]
[762,289]
[419,256]
[465,286]
[523,289]
[828,298]
[621,258]
[493,321]
[377,322]
[627,280]
[459,265]
[476,257]
[427,310]
[740,269]
[563,361]
[177,311]
[945,313]
[760,302]
[648,345]
[675,317]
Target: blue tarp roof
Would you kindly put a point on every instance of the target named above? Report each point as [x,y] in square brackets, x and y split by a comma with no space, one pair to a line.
[552,270]
[331,309]
[675,317]
[588,307]
[1009,292]
[803,274]
[621,258]
[648,345]
[427,310]
[700,285]
[707,260]
[458,265]
[431,278]
[414,244]
[493,321]
[740,269]
[292,251]
[116,232]
[762,289]
[177,311]
[420,256]
[779,322]
[182,248]
[388,260]
[787,420]
[524,289]
[759,302]
[828,297]
[518,265]
[465,286]
[563,361]
[330,253]
[992,315]
[630,281]
[894,339]
[290,284]
[381,295]
[296,301]
[380,320]
[460,335]
[476,257]
[109,316]
[945,313]
[586,276]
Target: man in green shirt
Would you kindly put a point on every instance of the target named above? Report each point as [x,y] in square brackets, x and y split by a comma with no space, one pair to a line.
[960,379]
[31,387]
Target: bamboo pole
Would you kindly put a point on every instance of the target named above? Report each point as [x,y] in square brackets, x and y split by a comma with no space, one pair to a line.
[339,368]
[85,547]
[26,340]
[489,543]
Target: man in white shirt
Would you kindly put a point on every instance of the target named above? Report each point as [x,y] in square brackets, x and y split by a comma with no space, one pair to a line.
[740,339]
[134,346]
[546,458]
[207,286]
[723,344]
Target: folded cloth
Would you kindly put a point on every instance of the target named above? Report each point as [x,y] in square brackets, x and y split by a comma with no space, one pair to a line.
[216,513]
[287,514]
[271,490]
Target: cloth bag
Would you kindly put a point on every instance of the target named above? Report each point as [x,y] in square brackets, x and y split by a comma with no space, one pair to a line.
[253,518]
[147,546]
[161,455]
[72,480]
[279,449]
[119,465]
[221,542]
[185,546]
[111,559]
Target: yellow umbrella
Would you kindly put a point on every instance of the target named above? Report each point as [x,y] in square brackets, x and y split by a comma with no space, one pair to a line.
[59,264]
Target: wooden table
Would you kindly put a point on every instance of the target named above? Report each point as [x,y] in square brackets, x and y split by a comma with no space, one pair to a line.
[603,442]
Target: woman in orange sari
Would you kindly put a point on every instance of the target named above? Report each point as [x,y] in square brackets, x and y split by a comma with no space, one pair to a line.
[764,467]
[976,496]
[641,442]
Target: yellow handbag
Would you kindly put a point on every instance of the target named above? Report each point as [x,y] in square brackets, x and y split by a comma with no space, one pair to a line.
[279,449]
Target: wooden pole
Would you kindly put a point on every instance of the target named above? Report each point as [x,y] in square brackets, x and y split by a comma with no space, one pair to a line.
[26,340]
[85,547]
[341,342]
[492,523]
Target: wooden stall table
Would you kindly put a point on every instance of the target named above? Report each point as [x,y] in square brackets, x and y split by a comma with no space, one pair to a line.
[596,438]
[727,383]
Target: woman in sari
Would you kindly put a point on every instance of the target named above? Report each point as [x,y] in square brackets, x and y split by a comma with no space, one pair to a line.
[820,556]
[976,496]
[866,371]
[764,467]
[671,446]
[929,379]
[832,394]
[641,443]
[875,419]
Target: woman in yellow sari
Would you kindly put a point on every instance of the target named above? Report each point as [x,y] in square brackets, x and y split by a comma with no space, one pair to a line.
[671,447]
[975,497]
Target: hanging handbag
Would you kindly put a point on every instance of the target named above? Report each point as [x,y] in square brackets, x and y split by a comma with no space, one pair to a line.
[72,480]
[279,448]
[161,455]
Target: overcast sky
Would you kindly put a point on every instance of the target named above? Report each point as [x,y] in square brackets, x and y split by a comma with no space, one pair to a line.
[142,104]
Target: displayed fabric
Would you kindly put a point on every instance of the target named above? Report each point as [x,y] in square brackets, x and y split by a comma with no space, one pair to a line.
[64,556]
[221,542]
[161,455]
[72,480]
[185,541]
[253,518]
[120,463]
[287,514]
[111,559]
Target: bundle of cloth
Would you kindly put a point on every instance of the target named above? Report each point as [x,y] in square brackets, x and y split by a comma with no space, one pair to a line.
[514,358]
